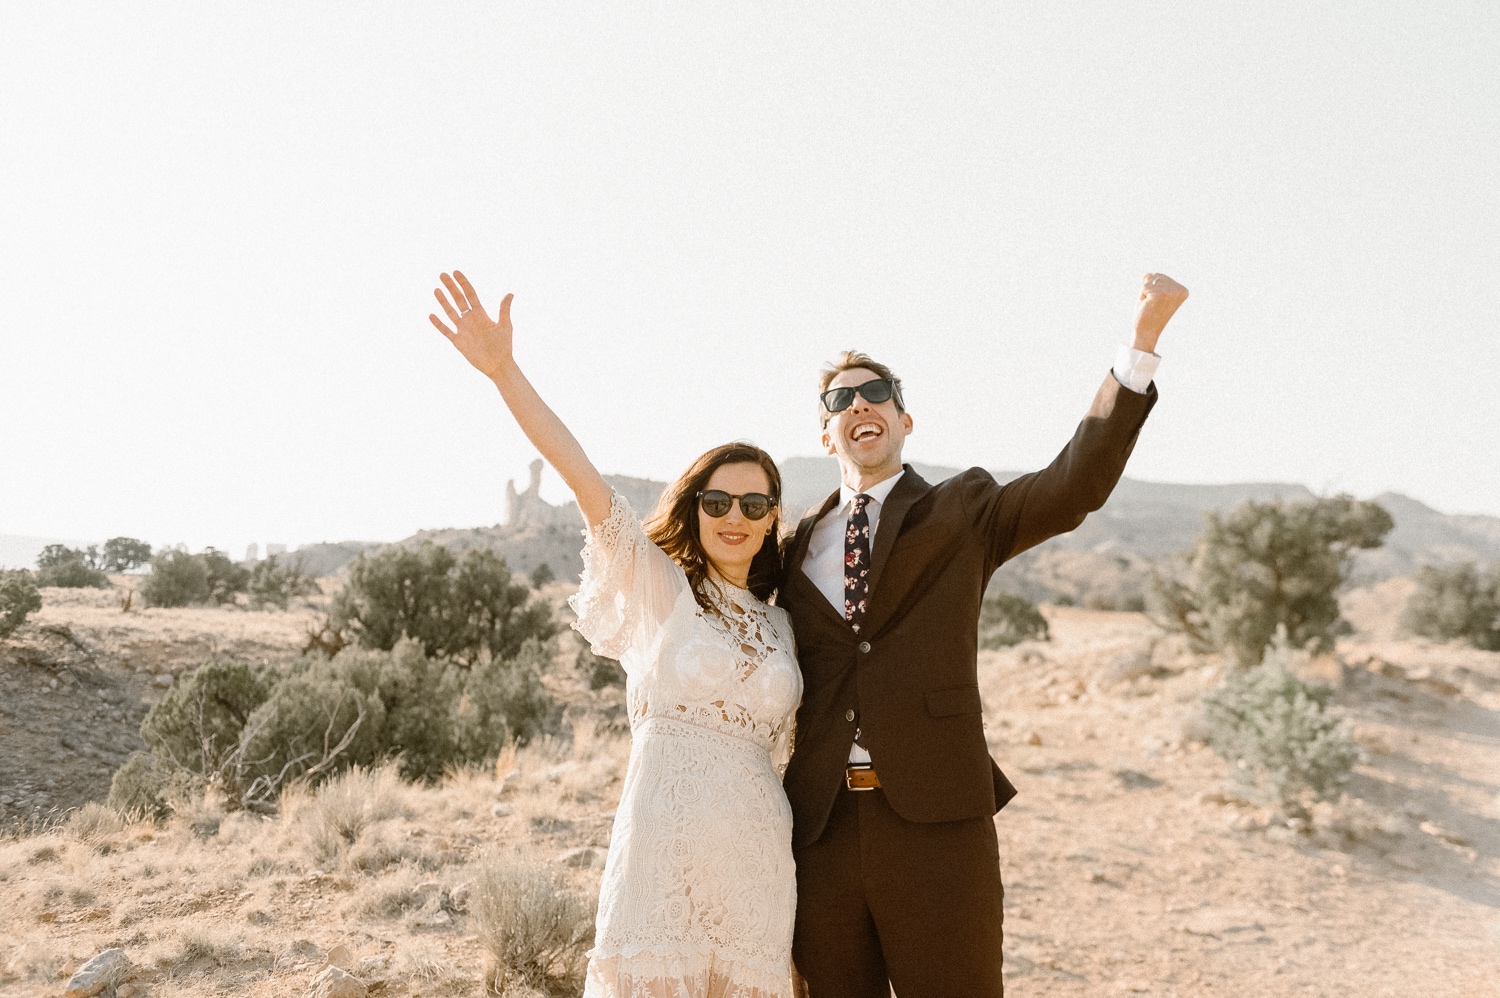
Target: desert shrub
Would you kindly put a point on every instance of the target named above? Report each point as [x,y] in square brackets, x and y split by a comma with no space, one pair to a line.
[70,568]
[150,787]
[504,701]
[123,554]
[1264,566]
[1006,619]
[18,600]
[466,609]
[535,927]
[323,716]
[541,575]
[274,584]
[92,822]
[181,579]
[177,579]
[598,671]
[1278,733]
[198,725]
[1458,601]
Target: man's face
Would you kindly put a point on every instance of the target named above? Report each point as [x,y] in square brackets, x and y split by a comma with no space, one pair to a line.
[867,436]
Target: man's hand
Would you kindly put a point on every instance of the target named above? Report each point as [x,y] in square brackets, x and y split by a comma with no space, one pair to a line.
[1160,296]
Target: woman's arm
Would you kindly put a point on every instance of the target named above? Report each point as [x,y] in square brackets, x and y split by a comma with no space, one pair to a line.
[486,344]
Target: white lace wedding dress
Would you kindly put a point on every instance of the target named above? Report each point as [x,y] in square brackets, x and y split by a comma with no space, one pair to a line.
[699,891]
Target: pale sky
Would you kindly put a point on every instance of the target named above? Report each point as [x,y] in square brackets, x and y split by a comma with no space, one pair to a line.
[222,224]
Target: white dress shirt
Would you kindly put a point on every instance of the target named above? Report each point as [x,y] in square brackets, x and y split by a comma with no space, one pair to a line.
[824,562]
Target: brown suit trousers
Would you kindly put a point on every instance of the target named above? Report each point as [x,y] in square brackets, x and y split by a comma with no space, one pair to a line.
[903,883]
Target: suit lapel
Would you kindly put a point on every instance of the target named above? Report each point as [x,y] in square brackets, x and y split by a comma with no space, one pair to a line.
[798,553]
[907,491]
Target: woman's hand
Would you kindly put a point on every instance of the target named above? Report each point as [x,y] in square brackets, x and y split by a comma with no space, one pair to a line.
[485,343]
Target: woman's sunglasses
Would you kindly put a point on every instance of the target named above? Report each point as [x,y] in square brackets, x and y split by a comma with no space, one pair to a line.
[874,392]
[754,505]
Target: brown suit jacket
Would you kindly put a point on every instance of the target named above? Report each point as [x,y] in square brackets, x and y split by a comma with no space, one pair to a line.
[911,677]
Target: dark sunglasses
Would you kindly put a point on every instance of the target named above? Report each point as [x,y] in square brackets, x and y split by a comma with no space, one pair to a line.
[754,505]
[874,392]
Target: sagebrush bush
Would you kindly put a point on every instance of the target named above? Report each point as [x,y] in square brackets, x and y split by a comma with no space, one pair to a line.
[198,724]
[535,927]
[1278,733]
[467,609]
[273,584]
[1264,566]
[150,787]
[1457,601]
[19,599]
[70,568]
[597,670]
[177,579]
[181,579]
[1006,619]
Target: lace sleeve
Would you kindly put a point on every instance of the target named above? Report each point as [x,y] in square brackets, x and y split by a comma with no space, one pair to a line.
[629,585]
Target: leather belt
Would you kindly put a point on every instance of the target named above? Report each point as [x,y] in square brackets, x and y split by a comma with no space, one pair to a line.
[861,778]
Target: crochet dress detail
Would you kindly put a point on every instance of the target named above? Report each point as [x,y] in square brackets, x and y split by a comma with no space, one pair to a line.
[699,891]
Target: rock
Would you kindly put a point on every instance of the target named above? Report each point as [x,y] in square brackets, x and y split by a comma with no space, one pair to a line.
[1439,832]
[1130,779]
[369,965]
[560,770]
[436,918]
[341,957]
[103,971]
[583,858]
[1032,738]
[1224,921]
[458,898]
[130,991]
[336,983]
[164,680]
[501,811]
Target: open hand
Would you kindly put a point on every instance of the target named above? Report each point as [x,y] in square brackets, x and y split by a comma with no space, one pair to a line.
[484,342]
[1160,296]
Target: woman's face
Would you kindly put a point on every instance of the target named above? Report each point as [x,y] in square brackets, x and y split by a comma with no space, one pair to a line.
[731,541]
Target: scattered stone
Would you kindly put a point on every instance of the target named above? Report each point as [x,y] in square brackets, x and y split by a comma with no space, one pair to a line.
[458,898]
[103,971]
[1130,779]
[1223,922]
[336,983]
[130,990]
[341,957]
[1032,738]
[1338,870]
[164,680]
[501,811]
[369,965]
[436,918]
[583,858]
[1097,877]
[1439,832]
[560,770]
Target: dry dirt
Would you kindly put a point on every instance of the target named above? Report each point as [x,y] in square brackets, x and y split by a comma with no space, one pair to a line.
[1132,865]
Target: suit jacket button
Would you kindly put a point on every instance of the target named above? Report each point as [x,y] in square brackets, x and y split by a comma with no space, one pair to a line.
[864,646]
[849,715]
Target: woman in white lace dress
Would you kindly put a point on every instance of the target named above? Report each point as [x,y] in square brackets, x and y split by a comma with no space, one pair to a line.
[699,891]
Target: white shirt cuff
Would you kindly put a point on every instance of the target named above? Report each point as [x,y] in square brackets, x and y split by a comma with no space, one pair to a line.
[1135,368]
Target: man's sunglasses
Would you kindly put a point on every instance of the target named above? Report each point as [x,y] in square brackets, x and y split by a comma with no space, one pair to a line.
[874,392]
[754,505]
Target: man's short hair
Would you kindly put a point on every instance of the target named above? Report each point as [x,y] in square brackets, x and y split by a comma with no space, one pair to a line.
[849,360]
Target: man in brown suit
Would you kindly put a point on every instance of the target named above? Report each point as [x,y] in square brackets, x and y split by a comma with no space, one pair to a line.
[892,787]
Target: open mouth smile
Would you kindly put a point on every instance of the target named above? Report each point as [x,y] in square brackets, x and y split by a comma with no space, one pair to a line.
[732,537]
[865,431]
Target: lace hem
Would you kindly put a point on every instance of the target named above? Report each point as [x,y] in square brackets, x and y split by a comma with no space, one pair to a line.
[682,975]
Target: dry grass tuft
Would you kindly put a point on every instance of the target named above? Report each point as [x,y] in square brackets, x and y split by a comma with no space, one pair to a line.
[333,817]
[93,823]
[534,926]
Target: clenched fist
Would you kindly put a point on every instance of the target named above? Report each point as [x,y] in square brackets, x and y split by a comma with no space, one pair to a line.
[1160,296]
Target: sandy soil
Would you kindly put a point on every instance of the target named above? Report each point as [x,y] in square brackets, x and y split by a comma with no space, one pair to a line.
[1132,865]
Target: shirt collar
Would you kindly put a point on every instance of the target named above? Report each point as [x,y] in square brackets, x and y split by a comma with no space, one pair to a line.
[876,492]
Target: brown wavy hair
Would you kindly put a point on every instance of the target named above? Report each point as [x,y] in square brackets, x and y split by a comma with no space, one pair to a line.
[673,527]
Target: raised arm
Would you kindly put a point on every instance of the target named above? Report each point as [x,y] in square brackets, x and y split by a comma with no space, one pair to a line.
[486,344]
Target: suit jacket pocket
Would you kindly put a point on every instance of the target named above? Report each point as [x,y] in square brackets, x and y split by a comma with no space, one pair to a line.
[954,700]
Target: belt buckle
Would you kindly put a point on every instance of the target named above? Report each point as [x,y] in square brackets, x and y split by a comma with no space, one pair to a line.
[849,776]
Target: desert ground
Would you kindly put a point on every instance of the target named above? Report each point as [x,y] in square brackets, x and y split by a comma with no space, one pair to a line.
[1133,864]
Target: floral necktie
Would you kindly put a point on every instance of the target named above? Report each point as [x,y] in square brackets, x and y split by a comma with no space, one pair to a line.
[857,563]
